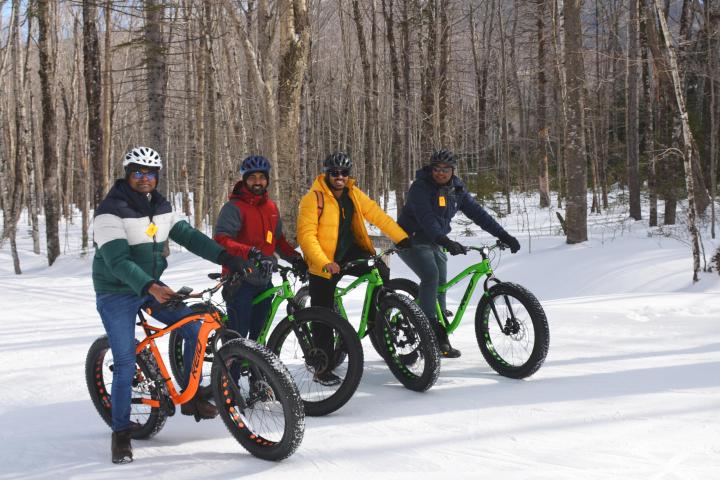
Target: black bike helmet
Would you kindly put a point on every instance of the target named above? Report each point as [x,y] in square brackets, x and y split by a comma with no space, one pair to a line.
[255,163]
[337,160]
[443,156]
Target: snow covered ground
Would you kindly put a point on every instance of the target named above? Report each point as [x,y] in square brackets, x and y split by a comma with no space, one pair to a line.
[630,388]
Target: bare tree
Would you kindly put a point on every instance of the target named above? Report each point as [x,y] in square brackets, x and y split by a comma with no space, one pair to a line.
[49,131]
[93,97]
[155,65]
[576,220]
[687,136]
[633,109]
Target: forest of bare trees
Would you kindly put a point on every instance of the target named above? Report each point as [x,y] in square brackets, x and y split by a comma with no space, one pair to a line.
[577,97]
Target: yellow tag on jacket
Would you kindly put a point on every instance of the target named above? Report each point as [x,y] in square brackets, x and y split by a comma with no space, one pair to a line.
[441,201]
[268,237]
[151,230]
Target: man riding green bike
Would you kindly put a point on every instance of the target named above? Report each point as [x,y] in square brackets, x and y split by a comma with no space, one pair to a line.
[434,198]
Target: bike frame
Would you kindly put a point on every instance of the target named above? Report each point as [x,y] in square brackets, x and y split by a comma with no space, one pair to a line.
[374,281]
[279,294]
[209,323]
[475,271]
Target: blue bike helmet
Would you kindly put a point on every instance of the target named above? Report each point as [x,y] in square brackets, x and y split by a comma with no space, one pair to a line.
[255,163]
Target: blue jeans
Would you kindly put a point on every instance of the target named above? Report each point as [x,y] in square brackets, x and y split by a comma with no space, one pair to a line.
[430,264]
[243,317]
[118,312]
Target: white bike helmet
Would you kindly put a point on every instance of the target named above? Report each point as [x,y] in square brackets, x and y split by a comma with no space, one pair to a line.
[145,156]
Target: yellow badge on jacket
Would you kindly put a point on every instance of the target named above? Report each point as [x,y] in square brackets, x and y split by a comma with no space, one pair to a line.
[441,200]
[151,230]
[268,237]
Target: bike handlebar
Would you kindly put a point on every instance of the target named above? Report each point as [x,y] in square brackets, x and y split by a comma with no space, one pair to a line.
[377,257]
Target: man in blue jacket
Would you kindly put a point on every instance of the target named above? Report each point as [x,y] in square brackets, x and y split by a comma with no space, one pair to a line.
[131,229]
[434,198]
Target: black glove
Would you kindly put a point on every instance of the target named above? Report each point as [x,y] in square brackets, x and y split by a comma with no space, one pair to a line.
[234,263]
[404,243]
[299,265]
[510,241]
[453,247]
[265,266]
[254,255]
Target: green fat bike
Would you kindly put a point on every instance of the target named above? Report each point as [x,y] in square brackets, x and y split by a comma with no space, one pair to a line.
[325,379]
[510,324]
[398,329]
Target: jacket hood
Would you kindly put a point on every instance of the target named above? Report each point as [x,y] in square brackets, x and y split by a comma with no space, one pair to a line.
[241,192]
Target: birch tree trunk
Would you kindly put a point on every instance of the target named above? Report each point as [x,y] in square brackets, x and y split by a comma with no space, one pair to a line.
[687,136]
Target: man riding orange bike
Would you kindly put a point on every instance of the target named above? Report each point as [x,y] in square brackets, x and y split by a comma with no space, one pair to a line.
[131,230]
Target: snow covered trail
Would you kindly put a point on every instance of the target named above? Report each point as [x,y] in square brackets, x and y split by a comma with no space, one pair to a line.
[630,387]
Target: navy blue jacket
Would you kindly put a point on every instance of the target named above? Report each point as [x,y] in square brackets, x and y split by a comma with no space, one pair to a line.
[429,208]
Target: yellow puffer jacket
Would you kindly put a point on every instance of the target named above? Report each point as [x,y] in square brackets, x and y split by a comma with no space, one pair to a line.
[318,236]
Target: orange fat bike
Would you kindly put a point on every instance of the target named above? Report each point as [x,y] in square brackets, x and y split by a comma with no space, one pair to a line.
[258,402]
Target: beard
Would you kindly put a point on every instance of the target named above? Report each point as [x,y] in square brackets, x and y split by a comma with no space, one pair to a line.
[258,189]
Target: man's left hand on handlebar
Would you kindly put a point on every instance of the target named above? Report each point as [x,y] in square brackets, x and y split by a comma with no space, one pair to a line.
[510,241]
[161,293]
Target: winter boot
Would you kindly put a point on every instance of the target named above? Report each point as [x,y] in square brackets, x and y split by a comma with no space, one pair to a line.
[120,447]
[199,407]
[446,350]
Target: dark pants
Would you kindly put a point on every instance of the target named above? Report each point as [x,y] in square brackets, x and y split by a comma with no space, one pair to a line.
[322,291]
[244,317]
[430,264]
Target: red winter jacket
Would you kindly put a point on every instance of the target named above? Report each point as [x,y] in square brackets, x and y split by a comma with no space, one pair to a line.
[248,220]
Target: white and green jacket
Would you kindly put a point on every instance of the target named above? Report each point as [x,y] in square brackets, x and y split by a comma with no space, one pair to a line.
[129,252]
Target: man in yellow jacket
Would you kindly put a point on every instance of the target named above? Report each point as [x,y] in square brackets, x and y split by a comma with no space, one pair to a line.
[331,230]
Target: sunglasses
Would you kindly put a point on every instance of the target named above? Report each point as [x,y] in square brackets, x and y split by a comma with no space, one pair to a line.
[344,172]
[137,175]
[442,169]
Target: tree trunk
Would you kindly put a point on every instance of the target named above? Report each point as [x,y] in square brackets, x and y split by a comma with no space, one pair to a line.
[200,166]
[104,166]
[576,212]
[399,175]
[542,129]
[649,133]
[633,109]
[429,84]
[49,131]
[368,124]
[293,61]
[687,137]
[93,97]
[155,66]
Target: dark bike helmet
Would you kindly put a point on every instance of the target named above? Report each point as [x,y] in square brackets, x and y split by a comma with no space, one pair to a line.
[443,156]
[255,163]
[337,160]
